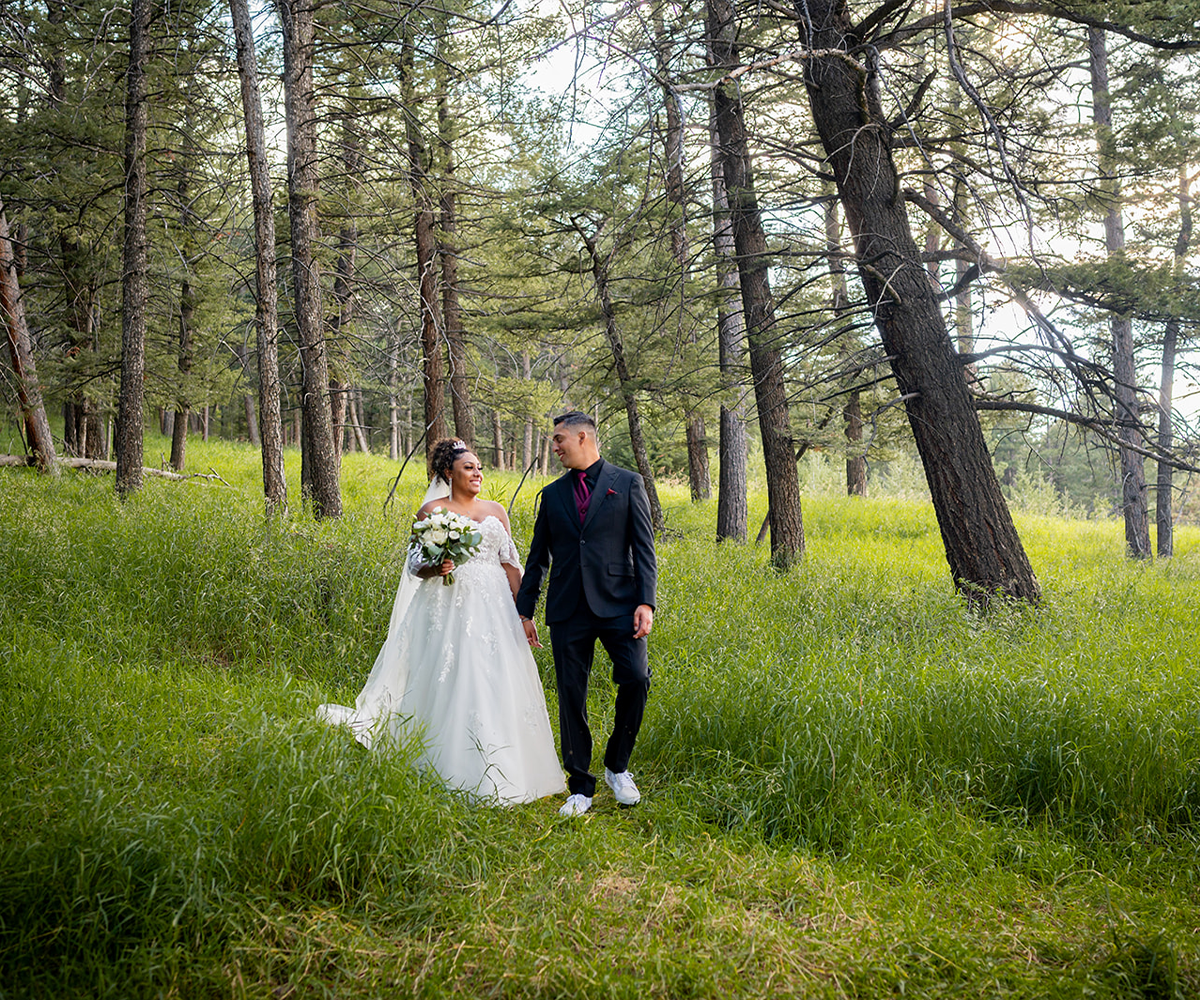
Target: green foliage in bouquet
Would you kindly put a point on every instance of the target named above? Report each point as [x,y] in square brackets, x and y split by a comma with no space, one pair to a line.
[446,535]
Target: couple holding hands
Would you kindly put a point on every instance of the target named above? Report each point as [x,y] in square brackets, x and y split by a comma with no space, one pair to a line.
[456,668]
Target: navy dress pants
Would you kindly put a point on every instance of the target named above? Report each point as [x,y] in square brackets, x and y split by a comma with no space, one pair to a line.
[573,643]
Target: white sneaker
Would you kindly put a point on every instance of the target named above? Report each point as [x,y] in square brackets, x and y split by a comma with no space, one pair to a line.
[624,790]
[576,805]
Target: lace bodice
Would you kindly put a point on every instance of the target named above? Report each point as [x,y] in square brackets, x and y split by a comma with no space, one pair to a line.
[497,547]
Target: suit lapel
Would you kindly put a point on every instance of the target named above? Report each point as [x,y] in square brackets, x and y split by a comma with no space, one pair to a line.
[566,497]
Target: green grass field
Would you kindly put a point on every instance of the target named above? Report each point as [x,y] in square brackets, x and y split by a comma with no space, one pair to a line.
[853,787]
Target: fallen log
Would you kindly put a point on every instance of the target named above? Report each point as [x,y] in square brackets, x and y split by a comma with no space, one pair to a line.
[98,465]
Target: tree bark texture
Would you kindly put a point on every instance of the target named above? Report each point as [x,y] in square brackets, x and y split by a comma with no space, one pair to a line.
[766,362]
[134,278]
[266,319]
[637,439]
[1165,533]
[699,475]
[425,235]
[498,440]
[251,420]
[296,17]
[732,506]
[456,338]
[983,549]
[1134,504]
[856,462]
[20,349]
[187,307]
[359,423]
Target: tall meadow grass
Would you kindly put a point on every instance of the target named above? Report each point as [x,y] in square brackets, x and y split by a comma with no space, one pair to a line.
[173,820]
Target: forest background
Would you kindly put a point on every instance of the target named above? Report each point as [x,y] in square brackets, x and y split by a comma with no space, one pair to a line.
[878,233]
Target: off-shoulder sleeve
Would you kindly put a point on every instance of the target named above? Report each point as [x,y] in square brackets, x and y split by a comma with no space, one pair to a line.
[508,551]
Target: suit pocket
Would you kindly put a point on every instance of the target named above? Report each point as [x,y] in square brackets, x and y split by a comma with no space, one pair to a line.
[620,569]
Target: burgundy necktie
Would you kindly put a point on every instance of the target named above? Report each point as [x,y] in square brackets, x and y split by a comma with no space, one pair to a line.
[583,495]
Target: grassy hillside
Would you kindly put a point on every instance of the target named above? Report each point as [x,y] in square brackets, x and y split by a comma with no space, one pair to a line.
[853,787]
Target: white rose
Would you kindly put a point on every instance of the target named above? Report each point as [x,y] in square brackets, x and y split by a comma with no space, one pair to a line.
[438,535]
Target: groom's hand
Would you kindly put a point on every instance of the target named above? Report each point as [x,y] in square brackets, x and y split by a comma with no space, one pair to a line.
[531,635]
[643,621]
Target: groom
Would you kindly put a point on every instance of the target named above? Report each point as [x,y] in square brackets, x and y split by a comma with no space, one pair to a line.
[594,526]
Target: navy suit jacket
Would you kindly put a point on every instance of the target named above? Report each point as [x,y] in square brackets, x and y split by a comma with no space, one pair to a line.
[607,562]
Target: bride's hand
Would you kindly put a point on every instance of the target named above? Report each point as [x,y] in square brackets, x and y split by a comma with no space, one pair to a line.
[429,572]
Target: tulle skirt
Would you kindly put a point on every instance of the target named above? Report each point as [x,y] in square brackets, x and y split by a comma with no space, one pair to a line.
[457,673]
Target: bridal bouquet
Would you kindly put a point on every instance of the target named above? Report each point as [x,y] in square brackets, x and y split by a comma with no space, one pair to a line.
[445,535]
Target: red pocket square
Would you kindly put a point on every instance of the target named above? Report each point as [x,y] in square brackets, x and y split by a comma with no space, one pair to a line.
[611,493]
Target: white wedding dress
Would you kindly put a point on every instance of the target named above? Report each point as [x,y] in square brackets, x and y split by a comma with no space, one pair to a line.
[456,672]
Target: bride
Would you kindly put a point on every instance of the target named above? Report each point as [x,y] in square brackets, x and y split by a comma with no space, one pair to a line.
[456,670]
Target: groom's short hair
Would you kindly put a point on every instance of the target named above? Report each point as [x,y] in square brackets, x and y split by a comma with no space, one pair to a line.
[576,418]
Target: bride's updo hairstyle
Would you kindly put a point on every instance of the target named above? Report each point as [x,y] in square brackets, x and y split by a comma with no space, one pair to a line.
[445,453]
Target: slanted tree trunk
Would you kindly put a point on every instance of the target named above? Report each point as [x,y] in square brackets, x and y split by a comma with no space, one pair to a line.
[456,341]
[1163,494]
[982,546]
[1134,504]
[636,438]
[699,476]
[20,350]
[732,507]
[426,247]
[134,280]
[266,313]
[179,428]
[766,362]
[296,17]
